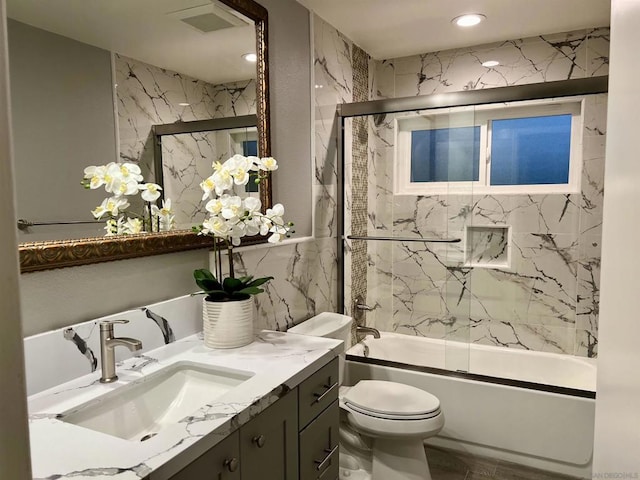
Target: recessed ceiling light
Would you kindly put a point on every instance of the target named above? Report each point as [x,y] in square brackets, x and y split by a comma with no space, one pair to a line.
[490,63]
[250,57]
[468,20]
[319,86]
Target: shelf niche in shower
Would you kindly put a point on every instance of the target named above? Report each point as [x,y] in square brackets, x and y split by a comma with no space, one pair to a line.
[488,246]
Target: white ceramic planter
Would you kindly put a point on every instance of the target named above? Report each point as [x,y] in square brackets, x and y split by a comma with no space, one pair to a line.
[227,324]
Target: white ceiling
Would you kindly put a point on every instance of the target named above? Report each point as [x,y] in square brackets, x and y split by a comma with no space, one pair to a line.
[396,28]
[141,29]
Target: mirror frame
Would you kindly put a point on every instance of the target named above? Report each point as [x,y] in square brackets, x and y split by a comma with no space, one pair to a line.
[39,256]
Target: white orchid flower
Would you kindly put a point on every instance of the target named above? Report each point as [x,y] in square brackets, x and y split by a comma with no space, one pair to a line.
[255,162]
[112,206]
[268,164]
[274,238]
[265,225]
[219,227]
[130,172]
[276,211]
[252,205]
[119,187]
[150,191]
[112,177]
[223,180]
[239,168]
[165,211]
[165,214]
[231,207]
[236,232]
[215,205]
[252,225]
[95,175]
[132,226]
[208,185]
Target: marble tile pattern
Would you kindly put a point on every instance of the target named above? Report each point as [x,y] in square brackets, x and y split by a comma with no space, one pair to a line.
[545,58]
[304,284]
[547,297]
[187,159]
[278,362]
[148,95]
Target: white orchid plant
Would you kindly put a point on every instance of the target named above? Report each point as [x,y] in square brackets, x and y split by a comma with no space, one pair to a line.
[230,218]
[123,180]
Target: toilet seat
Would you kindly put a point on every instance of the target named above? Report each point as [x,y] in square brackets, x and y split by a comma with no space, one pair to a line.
[391,400]
[390,409]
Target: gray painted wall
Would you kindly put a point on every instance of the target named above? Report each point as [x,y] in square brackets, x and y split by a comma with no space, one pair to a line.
[14,434]
[57,298]
[290,58]
[63,121]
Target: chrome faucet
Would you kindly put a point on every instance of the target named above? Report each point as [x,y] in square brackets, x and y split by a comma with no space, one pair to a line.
[367,330]
[107,344]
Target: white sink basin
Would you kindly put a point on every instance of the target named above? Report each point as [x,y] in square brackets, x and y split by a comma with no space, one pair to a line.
[140,410]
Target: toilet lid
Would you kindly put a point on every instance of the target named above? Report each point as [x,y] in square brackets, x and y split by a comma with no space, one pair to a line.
[391,399]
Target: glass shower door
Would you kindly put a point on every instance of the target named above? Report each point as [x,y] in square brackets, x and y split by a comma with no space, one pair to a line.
[404,251]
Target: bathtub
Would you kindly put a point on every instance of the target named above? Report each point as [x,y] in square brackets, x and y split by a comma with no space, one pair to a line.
[531,408]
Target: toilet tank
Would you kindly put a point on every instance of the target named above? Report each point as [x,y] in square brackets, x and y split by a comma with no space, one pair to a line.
[328,325]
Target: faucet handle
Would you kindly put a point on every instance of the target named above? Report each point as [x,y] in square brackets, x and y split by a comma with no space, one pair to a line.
[108,324]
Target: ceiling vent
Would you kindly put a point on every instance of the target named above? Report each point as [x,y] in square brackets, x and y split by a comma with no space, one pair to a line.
[210,17]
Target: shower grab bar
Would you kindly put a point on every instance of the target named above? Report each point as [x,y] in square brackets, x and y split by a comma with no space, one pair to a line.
[405,239]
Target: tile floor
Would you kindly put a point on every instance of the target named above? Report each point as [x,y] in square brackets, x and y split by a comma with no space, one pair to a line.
[450,465]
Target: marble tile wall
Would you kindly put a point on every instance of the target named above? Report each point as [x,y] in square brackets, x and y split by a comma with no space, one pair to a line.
[548,298]
[149,95]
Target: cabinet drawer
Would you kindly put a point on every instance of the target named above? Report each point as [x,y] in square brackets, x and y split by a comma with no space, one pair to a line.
[317,392]
[222,462]
[319,446]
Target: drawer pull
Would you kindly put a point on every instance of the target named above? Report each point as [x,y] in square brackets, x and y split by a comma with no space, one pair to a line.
[322,462]
[329,388]
[231,464]
[258,441]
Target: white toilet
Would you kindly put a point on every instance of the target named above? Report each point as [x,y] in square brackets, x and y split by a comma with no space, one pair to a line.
[385,423]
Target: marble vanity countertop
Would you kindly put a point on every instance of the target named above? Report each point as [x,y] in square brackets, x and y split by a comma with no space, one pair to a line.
[279,361]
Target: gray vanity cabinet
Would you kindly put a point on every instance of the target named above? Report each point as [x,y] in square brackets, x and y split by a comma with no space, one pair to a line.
[222,462]
[296,438]
[269,442]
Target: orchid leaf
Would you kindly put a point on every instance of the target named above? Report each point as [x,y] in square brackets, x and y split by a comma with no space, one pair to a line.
[259,281]
[231,288]
[251,290]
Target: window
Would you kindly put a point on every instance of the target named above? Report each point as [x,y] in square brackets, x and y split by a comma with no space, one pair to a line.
[525,147]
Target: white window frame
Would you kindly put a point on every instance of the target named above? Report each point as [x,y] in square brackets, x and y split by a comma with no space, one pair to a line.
[482,116]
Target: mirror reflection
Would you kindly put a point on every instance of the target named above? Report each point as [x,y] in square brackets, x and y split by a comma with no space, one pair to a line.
[89,80]
[186,153]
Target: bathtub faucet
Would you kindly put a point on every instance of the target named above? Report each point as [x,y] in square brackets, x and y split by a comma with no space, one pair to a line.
[367,330]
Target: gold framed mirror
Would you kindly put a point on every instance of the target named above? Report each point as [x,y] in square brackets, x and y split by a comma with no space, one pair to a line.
[65,252]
